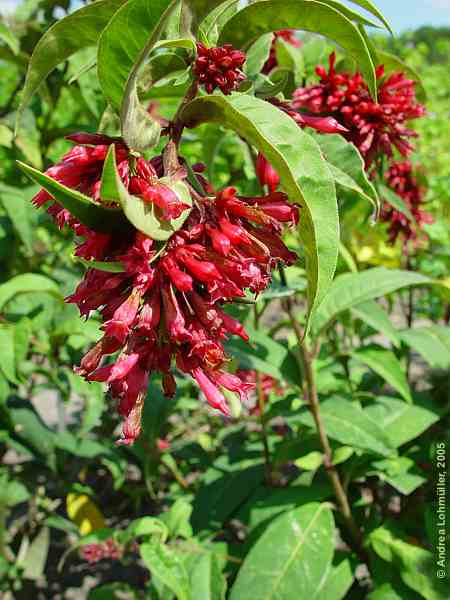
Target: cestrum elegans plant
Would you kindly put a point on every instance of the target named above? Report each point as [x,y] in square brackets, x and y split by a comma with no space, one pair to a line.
[166,253]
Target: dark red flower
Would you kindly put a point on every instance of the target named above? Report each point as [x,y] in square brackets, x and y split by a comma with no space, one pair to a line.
[219,67]
[401,179]
[374,127]
[166,308]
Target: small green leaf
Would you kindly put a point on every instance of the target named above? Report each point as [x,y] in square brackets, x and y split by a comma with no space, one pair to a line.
[304,542]
[290,57]
[167,567]
[395,200]
[98,218]
[21,213]
[386,364]
[336,583]
[144,215]
[36,555]
[6,136]
[207,579]
[370,7]
[308,15]
[76,31]
[8,362]
[303,172]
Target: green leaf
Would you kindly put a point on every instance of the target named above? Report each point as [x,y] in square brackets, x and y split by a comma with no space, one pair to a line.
[109,267]
[370,7]
[401,422]
[349,13]
[432,342]
[308,15]
[30,429]
[27,282]
[374,315]
[177,519]
[36,555]
[347,423]
[386,365]
[6,136]
[8,362]
[347,167]
[304,542]
[351,289]
[417,566]
[76,31]
[7,36]
[207,580]
[144,215]
[336,583]
[257,55]
[224,488]
[98,218]
[394,64]
[395,200]
[166,566]
[21,213]
[125,43]
[212,24]
[302,170]
[290,57]
[397,473]
[266,355]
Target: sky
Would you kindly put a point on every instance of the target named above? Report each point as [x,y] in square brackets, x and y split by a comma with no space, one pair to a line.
[402,14]
[410,14]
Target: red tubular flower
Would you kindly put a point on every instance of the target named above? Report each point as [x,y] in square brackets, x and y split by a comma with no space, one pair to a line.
[288,35]
[166,307]
[374,127]
[400,178]
[219,68]
[266,173]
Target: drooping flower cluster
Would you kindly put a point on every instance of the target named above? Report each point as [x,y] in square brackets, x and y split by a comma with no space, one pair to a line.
[288,35]
[165,309]
[374,127]
[219,67]
[400,178]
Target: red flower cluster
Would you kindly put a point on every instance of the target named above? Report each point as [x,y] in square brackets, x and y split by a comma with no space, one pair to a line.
[165,308]
[93,553]
[373,127]
[219,67]
[400,178]
[288,35]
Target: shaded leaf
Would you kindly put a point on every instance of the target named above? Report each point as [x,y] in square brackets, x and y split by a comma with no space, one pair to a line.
[374,315]
[166,566]
[432,343]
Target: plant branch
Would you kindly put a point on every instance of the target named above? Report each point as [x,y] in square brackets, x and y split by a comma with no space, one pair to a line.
[307,358]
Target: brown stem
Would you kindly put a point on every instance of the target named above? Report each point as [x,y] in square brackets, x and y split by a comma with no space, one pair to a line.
[177,124]
[307,358]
